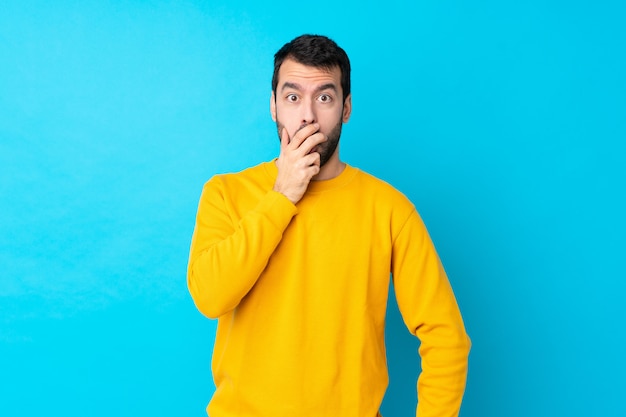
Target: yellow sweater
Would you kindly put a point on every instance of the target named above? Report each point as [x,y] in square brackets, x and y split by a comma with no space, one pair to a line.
[300,293]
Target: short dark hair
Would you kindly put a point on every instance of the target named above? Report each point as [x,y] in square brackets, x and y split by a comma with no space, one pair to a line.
[314,51]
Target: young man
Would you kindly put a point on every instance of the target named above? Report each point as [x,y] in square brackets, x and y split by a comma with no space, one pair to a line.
[293,257]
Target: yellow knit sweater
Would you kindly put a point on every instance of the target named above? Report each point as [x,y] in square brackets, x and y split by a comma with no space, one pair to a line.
[300,293]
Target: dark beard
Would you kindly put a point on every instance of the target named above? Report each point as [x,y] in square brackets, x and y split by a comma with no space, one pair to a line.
[325,149]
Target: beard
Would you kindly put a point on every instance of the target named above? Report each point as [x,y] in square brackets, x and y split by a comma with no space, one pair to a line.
[325,149]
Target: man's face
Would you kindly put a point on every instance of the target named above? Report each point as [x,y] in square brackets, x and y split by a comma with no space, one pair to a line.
[306,95]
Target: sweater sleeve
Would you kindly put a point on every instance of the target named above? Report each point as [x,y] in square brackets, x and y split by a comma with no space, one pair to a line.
[430,311]
[227,258]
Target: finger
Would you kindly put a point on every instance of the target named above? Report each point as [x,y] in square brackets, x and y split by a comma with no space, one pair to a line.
[311,142]
[313,170]
[302,134]
[284,138]
[313,159]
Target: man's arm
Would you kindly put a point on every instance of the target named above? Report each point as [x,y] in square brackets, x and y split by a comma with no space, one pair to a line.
[430,311]
[227,259]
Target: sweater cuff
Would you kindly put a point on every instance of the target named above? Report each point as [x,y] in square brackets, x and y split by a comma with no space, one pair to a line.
[277,209]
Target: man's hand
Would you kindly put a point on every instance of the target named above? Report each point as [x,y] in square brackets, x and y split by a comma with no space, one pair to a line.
[297,164]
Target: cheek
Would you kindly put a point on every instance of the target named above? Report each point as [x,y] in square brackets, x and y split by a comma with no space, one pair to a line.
[330,119]
[284,114]
[291,127]
[287,117]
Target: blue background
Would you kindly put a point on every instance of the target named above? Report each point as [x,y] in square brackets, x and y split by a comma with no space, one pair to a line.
[504,122]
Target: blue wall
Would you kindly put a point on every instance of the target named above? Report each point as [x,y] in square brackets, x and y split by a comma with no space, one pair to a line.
[504,123]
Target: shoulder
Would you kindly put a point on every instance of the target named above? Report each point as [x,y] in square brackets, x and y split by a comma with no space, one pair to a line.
[379,188]
[402,211]
[383,198]
[256,176]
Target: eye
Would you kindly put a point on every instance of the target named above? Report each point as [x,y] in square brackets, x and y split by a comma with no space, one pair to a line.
[292,98]
[325,98]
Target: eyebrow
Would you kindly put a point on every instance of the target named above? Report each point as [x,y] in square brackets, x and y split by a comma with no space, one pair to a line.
[327,86]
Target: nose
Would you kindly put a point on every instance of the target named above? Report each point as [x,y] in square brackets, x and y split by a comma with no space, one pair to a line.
[308,113]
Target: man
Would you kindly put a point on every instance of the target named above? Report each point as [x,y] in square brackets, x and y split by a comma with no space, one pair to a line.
[293,257]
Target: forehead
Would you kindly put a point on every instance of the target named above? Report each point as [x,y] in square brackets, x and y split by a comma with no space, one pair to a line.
[294,72]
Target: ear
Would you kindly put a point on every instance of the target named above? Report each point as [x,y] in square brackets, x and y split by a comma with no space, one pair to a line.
[347,108]
[273,106]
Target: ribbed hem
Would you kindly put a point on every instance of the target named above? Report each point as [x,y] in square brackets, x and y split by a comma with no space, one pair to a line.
[277,208]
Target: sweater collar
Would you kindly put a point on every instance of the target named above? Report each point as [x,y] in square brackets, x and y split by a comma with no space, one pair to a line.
[340,180]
